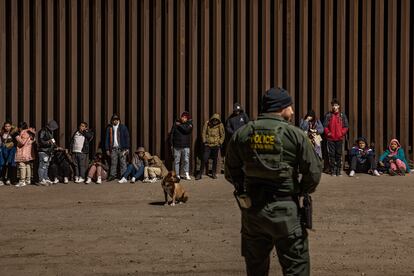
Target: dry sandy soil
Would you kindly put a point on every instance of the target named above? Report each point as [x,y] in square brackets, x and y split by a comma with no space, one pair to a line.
[363,226]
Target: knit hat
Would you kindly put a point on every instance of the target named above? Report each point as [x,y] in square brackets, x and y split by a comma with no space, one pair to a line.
[115,117]
[52,125]
[237,108]
[275,99]
[140,149]
[186,114]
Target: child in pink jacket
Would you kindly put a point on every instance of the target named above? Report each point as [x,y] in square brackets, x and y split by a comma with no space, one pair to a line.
[24,153]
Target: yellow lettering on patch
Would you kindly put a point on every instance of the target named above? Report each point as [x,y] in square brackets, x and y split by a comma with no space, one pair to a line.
[262,141]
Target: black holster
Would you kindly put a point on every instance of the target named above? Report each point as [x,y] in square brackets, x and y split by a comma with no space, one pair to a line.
[306,211]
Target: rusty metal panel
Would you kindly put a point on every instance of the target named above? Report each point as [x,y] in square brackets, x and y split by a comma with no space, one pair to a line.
[316,56]
[254,59]
[145,108]
[217,56]
[328,55]
[366,69]
[241,52]
[73,59]
[181,56]
[97,121]
[38,65]
[64,130]
[133,73]
[26,62]
[354,19]
[303,58]
[405,71]
[13,52]
[290,51]
[265,62]
[229,57]
[109,59]
[341,58]
[379,76]
[169,73]
[193,80]
[3,59]
[73,64]
[85,54]
[392,67]
[278,48]
[49,59]
[120,65]
[156,93]
[205,62]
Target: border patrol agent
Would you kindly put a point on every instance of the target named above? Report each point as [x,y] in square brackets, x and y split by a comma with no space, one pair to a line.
[263,162]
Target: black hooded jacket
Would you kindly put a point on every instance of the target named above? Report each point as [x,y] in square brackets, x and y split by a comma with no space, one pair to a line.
[181,134]
[45,135]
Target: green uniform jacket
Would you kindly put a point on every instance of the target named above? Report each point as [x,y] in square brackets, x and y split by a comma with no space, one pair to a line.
[270,152]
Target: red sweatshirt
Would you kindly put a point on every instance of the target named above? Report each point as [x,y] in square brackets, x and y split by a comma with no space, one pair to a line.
[336,126]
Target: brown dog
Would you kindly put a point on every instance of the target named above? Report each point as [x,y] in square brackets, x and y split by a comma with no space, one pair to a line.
[173,189]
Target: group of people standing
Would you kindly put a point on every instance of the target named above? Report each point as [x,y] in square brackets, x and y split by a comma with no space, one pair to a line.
[21,146]
[55,164]
[361,158]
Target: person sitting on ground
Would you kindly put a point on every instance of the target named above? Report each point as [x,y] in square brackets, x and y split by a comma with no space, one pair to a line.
[98,170]
[314,129]
[393,159]
[25,153]
[154,167]
[362,158]
[135,169]
[60,168]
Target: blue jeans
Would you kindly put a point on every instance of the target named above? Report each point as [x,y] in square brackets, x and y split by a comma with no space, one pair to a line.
[44,162]
[131,170]
[184,155]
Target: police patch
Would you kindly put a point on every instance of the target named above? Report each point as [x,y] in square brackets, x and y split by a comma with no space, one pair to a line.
[263,141]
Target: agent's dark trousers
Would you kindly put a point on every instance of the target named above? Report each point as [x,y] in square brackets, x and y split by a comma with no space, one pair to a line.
[335,155]
[363,167]
[209,152]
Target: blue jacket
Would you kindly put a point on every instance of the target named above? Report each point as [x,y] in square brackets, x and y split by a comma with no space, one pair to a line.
[305,125]
[123,137]
[400,155]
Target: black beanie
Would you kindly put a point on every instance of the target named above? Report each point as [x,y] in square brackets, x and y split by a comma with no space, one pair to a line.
[275,99]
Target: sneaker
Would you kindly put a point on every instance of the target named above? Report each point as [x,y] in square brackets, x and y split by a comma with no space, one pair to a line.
[123,180]
[99,180]
[8,182]
[153,180]
[376,173]
[65,180]
[21,183]
[56,181]
[352,173]
[1,183]
[81,179]
[76,179]
[146,180]
[88,180]
[187,176]
[214,176]
[28,182]
[44,182]
[133,180]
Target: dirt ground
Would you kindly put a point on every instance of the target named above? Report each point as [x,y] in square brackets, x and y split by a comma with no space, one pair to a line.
[363,226]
